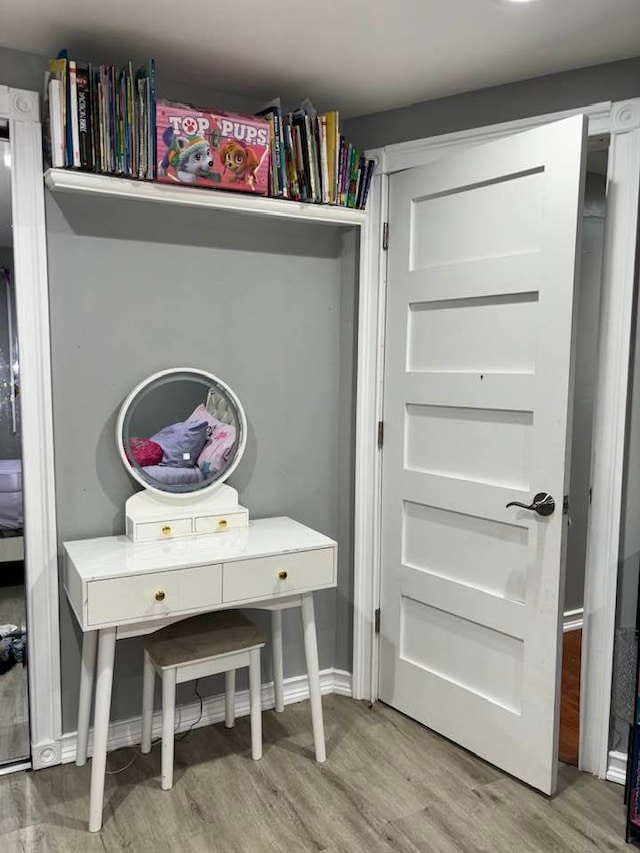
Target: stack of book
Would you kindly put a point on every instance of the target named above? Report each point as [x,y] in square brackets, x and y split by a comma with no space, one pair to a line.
[101,119]
[311,160]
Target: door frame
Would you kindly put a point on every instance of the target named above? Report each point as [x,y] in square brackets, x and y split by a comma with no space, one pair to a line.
[621,120]
[22,110]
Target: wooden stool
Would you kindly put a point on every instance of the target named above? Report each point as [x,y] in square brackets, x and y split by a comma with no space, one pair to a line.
[194,648]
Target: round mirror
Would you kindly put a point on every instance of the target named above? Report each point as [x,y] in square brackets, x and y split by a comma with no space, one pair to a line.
[181,431]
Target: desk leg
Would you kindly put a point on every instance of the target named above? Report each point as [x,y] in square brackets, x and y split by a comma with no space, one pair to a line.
[87,673]
[313,672]
[106,655]
[278,666]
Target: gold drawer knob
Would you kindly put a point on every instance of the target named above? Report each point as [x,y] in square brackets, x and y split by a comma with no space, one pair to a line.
[282,575]
[166,530]
[160,595]
[222,523]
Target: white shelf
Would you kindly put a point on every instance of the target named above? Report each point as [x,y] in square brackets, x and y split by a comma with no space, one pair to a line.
[69,181]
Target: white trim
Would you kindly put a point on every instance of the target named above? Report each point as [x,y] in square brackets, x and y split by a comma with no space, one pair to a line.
[610,417]
[617,769]
[573,620]
[406,155]
[128,732]
[622,121]
[8,769]
[32,310]
[368,412]
[66,180]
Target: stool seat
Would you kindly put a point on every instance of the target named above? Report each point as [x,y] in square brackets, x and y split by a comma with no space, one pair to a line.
[195,648]
[200,637]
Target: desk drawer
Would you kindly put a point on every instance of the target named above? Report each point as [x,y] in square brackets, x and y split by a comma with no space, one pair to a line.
[156,594]
[280,575]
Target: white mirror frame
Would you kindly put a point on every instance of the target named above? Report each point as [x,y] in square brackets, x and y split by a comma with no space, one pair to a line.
[197,493]
[22,110]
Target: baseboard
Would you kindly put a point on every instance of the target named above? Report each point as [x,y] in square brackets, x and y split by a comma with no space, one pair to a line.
[128,732]
[573,620]
[617,769]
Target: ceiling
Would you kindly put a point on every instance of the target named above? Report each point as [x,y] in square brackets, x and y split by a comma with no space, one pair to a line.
[360,56]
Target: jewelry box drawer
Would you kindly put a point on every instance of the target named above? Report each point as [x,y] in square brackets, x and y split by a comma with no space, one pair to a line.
[148,531]
[285,574]
[153,594]
[220,523]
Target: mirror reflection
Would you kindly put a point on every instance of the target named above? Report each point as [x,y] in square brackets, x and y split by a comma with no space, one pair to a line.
[14,702]
[182,431]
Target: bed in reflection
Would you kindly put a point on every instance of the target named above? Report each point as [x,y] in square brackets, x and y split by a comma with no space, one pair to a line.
[11,517]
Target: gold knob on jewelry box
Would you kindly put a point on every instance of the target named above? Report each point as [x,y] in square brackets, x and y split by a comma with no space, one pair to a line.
[282,575]
[160,595]
[166,530]
[222,523]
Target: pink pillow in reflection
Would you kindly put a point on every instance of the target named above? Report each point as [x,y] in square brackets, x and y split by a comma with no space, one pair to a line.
[143,451]
[220,442]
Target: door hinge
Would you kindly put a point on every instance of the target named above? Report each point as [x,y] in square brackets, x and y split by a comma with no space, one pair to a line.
[565,505]
[385,236]
[380,434]
[376,622]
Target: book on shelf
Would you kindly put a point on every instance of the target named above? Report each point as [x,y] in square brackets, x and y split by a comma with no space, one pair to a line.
[634,793]
[279,182]
[101,119]
[312,161]
[54,111]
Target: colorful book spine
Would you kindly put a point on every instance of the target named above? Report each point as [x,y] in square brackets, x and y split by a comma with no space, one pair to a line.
[324,158]
[634,807]
[340,175]
[299,148]
[367,183]
[300,122]
[73,106]
[333,149]
[55,101]
[83,90]
[352,189]
[290,160]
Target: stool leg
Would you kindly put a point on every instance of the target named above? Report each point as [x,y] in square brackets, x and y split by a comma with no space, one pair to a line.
[313,672]
[256,703]
[148,685]
[168,725]
[278,668]
[230,698]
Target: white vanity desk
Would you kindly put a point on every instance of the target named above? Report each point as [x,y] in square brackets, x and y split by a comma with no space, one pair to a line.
[118,588]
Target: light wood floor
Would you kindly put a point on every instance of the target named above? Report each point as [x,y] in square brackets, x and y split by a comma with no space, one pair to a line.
[389,786]
[570,698]
[14,701]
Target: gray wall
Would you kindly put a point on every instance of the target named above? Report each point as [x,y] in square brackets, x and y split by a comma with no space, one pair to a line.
[266,306]
[614,81]
[584,387]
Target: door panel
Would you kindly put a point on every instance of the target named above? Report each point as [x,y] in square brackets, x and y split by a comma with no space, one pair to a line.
[481,269]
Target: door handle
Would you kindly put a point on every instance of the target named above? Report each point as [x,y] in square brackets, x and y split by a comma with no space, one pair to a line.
[542,503]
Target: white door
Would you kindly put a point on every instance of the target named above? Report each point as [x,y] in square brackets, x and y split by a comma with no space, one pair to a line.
[481,269]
